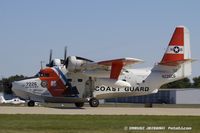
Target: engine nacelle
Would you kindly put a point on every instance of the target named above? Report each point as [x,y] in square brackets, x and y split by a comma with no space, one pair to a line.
[74,63]
[56,62]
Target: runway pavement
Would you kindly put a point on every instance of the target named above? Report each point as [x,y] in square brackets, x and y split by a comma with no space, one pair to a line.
[101,111]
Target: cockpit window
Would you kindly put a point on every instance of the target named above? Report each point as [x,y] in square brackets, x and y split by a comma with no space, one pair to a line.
[45,75]
[40,74]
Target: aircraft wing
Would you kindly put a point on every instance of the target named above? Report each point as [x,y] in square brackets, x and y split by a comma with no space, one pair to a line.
[113,67]
[124,61]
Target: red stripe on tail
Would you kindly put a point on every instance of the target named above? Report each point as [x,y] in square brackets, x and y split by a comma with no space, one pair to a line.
[178,37]
[171,58]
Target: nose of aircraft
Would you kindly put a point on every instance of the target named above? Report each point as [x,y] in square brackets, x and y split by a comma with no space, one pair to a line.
[19,89]
[22,88]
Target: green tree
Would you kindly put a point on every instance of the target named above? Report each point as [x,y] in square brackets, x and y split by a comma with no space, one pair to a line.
[196,83]
[6,83]
[183,83]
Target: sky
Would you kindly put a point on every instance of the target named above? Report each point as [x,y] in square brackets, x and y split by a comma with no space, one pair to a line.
[94,29]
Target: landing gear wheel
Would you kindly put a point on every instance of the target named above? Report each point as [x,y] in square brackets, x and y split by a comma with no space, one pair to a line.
[31,103]
[94,102]
[79,105]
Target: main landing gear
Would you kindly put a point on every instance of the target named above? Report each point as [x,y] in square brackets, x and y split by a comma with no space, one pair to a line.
[31,103]
[94,102]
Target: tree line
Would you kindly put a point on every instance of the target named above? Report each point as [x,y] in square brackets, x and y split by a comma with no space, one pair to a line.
[184,83]
[5,83]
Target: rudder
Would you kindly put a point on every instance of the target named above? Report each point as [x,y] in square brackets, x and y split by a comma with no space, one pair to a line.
[179,46]
[178,51]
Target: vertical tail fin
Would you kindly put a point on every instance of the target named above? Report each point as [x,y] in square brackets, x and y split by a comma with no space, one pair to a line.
[178,52]
[179,47]
[176,62]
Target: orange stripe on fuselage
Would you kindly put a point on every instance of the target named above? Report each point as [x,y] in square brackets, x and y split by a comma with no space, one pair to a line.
[59,89]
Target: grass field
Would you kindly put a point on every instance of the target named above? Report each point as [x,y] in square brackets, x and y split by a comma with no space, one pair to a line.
[90,124]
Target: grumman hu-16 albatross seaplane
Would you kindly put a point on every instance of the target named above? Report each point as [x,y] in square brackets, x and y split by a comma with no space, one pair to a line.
[78,80]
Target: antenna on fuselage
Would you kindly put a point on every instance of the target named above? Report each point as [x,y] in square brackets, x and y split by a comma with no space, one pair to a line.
[41,64]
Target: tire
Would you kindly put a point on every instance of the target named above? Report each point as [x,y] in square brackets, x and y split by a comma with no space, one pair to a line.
[94,102]
[31,103]
[79,105]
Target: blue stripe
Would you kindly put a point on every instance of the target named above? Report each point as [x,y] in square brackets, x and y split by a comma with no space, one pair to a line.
[73,91]
[62,75]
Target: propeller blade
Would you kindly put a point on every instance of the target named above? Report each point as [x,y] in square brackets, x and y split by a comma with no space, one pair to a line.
[65,53]
[50,56]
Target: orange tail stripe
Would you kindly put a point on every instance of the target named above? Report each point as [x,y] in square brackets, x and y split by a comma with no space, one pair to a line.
[171,57]
[178,37]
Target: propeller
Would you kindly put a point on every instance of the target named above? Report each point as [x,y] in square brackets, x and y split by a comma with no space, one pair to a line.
[50,58]
[65,56]
[65,53]
[51,62]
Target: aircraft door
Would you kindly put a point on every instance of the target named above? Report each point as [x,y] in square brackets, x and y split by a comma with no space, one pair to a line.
[89,88]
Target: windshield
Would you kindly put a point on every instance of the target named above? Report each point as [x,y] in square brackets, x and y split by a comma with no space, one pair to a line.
[41,74]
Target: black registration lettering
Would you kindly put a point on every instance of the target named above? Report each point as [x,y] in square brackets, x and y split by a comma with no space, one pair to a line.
[31,85]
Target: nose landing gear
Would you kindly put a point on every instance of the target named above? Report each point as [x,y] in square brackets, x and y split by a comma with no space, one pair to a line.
[31,103]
